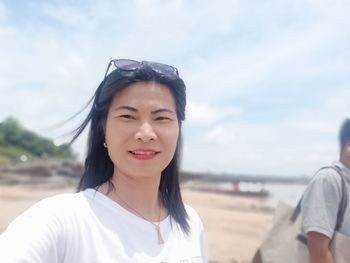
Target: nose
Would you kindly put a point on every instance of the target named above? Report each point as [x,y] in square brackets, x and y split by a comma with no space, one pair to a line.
[145,133]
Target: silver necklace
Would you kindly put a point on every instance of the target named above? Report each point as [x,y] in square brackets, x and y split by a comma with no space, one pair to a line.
[156,225]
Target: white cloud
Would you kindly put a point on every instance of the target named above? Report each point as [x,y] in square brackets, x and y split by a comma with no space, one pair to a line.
[326,116]
[297,145]
[298,50]
[204,114]
[67,15]
[3,12]
[257,148]
[235,72]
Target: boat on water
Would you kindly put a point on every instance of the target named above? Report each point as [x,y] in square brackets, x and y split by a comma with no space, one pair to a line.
[253,189]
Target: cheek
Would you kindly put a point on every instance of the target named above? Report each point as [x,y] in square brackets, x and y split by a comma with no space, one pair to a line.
[172,137]
[114,135]
[108,133]
[347,150]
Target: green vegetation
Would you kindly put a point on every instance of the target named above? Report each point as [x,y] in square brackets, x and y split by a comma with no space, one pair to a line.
[17,142]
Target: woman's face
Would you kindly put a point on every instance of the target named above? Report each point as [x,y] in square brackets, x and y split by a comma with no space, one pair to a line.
[142,129]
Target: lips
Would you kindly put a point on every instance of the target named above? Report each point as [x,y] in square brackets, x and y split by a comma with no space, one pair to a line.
[143,154]
[148,152]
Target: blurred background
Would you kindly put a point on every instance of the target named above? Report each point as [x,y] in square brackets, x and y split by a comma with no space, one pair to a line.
[267,85]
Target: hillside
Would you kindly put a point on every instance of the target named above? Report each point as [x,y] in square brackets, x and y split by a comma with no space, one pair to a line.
[20,144]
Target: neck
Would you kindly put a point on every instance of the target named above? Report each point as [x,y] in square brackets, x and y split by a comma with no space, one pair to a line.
[345,160]
[138,195]
[345,155]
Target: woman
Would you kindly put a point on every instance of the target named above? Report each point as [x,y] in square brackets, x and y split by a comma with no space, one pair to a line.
[129,206]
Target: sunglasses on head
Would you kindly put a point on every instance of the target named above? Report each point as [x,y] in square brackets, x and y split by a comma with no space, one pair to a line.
[131,65]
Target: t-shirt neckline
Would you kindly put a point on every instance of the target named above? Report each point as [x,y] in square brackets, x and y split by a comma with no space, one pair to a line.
[111,204]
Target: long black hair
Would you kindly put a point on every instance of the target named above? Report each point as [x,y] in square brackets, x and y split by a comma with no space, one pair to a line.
[98,165]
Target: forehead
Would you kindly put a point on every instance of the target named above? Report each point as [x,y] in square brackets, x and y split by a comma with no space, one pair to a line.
[145,94]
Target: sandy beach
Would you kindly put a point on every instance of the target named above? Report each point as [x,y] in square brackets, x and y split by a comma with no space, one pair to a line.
[234,225]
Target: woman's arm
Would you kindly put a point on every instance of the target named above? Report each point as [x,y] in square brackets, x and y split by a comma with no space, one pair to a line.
[318,245]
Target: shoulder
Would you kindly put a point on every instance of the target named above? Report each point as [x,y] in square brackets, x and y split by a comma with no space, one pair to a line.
[47,217]
[326,178]
[324,186]
[40,229]
[327,172]
[59,198]
[51,210]
[191,211]
[58,202]
[193,217]
[323,192]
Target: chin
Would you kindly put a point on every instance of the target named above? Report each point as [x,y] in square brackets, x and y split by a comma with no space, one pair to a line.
[144,174]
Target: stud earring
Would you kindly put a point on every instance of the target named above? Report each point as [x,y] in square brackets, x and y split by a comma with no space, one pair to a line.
[105,144]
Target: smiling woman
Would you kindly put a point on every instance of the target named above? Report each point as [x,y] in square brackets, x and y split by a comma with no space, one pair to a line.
[142,125]
[128,207]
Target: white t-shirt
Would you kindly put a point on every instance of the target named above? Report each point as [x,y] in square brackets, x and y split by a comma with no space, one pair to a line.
[88,227]
[321,201]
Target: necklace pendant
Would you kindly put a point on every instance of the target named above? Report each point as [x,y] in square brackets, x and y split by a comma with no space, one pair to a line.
[159,234]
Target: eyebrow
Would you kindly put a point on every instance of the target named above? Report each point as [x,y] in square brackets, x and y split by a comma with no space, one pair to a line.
[162,110]
[123,107]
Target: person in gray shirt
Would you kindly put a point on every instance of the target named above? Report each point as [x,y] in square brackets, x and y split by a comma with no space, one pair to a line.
[321,202]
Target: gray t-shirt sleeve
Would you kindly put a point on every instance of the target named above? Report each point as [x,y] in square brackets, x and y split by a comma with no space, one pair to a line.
[320,203]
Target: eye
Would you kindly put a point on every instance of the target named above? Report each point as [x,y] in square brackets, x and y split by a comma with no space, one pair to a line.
[127,117]
[162,118]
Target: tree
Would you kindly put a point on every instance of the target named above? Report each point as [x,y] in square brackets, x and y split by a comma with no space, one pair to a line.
[13,135]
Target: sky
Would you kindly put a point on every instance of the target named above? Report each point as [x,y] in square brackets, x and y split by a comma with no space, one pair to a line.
[268,82]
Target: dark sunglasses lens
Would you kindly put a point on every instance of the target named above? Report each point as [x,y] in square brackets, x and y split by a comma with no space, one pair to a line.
[163,69]
[126,64]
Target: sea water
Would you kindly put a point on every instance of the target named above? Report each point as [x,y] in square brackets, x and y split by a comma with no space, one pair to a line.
[288,193]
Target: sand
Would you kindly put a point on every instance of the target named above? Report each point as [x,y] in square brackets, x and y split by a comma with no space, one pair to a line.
[234,226]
